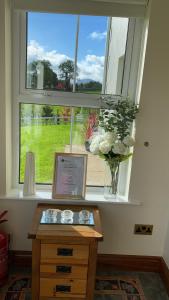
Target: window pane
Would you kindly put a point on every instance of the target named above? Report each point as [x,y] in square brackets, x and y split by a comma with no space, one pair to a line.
[91,54]
[51,47]
[85,124]
[50,51]
[46,129]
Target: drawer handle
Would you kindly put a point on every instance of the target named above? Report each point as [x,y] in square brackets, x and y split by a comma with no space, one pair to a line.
[64,269]
[63,288]
[64,252]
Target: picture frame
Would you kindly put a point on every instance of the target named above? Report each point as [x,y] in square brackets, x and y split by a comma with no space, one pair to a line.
[69,178]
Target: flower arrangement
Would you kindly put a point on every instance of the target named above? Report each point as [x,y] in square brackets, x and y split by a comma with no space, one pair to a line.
[113,139]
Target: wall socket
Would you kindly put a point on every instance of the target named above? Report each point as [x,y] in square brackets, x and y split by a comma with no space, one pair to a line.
[143,229]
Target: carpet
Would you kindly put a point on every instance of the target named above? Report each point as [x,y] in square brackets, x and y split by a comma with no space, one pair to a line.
[118,288]
[17,288]
[106,288]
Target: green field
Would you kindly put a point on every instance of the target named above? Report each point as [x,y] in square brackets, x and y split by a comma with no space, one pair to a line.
[96,92]
[44,141]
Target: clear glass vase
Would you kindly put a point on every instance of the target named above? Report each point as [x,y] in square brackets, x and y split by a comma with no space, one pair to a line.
[111,179]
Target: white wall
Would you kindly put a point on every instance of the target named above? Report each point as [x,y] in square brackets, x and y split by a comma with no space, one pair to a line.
[150,172]
[5,94]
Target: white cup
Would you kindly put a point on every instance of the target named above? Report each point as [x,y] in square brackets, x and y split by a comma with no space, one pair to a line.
[67,214]
[84,214]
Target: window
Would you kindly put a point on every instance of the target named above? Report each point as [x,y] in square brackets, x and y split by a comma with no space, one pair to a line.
[74,53]
[64,62]
[68,57]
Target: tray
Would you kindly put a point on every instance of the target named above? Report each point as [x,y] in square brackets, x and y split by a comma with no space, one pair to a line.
[51,219]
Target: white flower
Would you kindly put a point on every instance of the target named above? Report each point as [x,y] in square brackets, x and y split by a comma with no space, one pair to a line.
[119,148]
[94,147]
[110,137]
[97,138]
[129,141]
[105,147]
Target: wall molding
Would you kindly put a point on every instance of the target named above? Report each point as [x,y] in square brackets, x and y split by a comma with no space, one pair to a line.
[20,258]
[118,262]
[130,262]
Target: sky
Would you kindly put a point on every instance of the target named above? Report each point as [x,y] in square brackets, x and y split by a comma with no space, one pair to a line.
[52,37]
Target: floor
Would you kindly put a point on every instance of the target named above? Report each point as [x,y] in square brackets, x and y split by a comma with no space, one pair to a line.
[152,284]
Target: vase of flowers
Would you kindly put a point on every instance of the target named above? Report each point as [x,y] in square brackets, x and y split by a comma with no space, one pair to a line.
[111,179]
[113,141]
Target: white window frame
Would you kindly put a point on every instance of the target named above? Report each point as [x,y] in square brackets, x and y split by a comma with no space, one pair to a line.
[23,95]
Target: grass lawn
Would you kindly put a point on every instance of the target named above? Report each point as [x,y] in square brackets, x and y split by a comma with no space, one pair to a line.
[44,141]
[97,92]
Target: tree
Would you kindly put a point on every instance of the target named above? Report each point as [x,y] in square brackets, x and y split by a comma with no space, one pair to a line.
[93,85]
[66,72]
[50,77]
[47,111]
[49,80]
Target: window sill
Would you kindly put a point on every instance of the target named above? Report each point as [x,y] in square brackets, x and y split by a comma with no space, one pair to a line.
[46,196]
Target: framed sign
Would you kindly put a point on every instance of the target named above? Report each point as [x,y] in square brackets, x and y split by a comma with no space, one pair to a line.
[69,180]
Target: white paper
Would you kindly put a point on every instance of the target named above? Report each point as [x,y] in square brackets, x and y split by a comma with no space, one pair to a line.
[70,172]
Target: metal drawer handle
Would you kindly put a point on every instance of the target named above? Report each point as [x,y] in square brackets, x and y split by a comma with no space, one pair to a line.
[63,288]
[64,269]
[64,252]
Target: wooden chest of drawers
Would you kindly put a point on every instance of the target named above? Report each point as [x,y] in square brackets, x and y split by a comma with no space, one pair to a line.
[64,257]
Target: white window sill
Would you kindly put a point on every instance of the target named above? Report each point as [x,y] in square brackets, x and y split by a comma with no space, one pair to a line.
[46,196]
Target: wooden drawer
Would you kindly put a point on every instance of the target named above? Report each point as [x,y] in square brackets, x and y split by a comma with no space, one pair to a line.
[62,287]
[58,253]
[63,270]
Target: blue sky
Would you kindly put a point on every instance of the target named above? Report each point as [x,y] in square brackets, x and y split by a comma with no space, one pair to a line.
[52,36]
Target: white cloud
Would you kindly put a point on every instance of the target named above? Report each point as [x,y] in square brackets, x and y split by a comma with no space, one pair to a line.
[91,67]
[98,35]
[37,52]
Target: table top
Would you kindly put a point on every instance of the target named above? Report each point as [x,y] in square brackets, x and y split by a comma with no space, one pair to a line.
[52,231]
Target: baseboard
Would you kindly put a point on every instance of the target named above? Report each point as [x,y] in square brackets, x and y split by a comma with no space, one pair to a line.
[115,261]
[130,262]
[20,258]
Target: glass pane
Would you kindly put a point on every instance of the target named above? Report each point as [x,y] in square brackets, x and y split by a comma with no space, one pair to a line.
[91,54]
[46,129]
[51,45]
[84,125]
[50,51]
[117,50]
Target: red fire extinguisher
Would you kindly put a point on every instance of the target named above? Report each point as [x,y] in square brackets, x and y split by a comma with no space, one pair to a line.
[3,251]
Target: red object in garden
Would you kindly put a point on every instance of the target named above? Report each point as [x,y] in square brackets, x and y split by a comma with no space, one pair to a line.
[3,257]
[91,125]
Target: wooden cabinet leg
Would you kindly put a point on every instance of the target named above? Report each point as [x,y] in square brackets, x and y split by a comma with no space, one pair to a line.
[35,269]
[92,270]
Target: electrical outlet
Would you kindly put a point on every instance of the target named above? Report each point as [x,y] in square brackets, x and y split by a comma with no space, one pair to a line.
[143,229]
